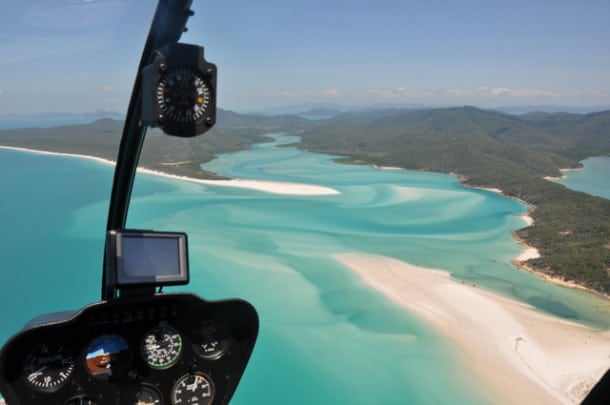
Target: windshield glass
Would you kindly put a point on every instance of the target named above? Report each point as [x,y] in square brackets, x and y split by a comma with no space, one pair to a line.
[391,185]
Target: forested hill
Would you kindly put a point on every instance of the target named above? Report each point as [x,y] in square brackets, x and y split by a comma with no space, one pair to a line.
[492,149]
[183,156]
[487,148]
[442,138]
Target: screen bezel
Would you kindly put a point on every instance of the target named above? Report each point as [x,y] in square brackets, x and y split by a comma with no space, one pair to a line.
[122,279]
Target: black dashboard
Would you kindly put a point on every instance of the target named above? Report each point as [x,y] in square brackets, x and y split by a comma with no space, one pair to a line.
[160,349]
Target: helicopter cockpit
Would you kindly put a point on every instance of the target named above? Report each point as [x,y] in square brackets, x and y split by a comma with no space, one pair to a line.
[139,345]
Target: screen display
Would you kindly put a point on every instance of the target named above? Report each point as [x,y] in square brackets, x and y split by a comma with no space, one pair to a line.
[151,258]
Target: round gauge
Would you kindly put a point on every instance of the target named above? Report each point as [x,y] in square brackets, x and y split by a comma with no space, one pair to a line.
[211,340]
[48,367]
[141,395]
[107,355]
[193,389]
[81,401]
[183,95]
[161,347]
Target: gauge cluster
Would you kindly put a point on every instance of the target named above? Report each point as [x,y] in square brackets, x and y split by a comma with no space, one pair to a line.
[164,349]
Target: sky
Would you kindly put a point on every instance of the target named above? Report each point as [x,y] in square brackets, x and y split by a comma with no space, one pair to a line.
[81,55]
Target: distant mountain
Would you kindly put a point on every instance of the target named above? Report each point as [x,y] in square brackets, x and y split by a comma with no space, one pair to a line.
[448,133]
[302,109]
[48,120]
[553,109]
[320,112]
[176,155]
[98,113]
[230,119]
[588,134]
[305,108]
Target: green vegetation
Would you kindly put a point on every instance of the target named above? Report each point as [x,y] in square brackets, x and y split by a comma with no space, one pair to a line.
[182,156]
[487,148]
[491,149]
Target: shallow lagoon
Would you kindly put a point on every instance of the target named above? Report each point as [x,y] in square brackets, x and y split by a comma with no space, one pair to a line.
[593,178]
[325,337]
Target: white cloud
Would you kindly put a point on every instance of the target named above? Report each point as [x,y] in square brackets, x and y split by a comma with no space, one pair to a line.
[504,91]
[107,88]
[314,93]
[501,92]
[397,92]
[331,93]
[459,93]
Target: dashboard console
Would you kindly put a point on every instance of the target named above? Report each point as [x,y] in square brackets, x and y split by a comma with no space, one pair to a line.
[158,349]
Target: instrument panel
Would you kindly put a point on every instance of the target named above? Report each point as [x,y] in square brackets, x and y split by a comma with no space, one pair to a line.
[162,349]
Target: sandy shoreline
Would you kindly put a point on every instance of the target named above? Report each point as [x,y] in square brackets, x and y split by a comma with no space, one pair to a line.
[75,155]
[525,356]
[274,187]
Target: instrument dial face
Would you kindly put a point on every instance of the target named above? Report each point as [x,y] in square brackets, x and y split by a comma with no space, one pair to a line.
[142,395]
[183,95]
[81,401]
[161,347]
[106,356]
[48,367]
[193,389]
[212,340]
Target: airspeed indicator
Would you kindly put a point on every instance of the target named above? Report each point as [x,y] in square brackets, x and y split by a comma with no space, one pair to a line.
[161,347]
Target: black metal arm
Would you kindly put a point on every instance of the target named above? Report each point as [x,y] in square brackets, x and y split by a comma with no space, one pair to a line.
[169,22]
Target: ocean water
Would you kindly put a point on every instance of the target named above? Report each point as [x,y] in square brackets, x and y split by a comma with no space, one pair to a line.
[10,122]
[594,178]
[325,337]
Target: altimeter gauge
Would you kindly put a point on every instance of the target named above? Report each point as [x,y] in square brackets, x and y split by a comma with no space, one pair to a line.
[193,389]
[161,347]
[48,367]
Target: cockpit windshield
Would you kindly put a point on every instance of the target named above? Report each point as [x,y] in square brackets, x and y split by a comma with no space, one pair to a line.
[413,197]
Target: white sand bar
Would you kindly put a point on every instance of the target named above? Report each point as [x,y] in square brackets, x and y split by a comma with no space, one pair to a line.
[528,253]
[275,187]
[522,355]
[44,152]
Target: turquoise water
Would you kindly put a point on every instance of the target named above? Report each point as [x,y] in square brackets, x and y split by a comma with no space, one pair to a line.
[10,122]
[594,178]
[325,337]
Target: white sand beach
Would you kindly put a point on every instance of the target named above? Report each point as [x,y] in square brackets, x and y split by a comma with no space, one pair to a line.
[529,221]
[274,187]
[44,152]
[523,355]
[528,253]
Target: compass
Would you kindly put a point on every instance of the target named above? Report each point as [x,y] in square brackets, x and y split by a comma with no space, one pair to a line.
[183,95]
[179,91]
